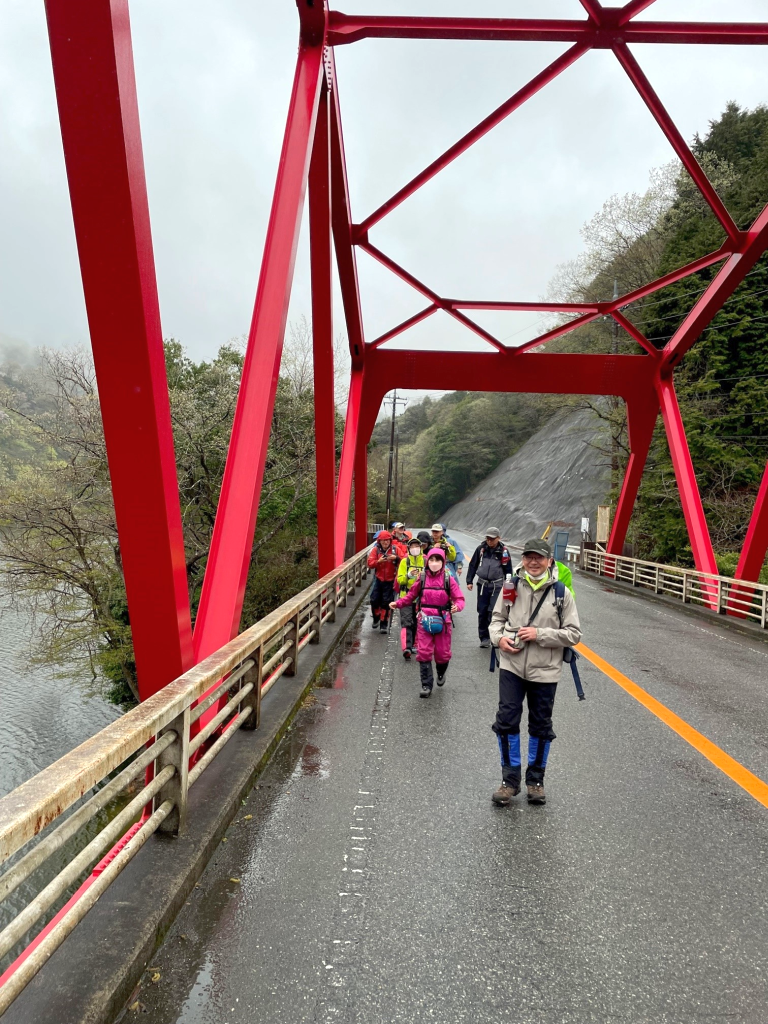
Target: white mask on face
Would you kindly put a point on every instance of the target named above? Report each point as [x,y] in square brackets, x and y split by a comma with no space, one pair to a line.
[537,578]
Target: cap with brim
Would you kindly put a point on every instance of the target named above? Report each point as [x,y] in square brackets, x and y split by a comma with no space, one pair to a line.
[424,537]
[397,526]
[437,526]
[492,532]
[536,546]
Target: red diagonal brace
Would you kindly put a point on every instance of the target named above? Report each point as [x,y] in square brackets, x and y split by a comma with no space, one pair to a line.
[410,322]
[642,413]
[347,463]
[629,10]
[96,95]
[227,569]
[723,285]
[342,228]
[678,143]
[498,115]
[698,531]
[756,542]
[633,332]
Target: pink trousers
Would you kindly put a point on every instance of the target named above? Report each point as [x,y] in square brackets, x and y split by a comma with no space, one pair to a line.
[433,645]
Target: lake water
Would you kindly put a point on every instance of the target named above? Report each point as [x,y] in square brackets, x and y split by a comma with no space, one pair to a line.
[42,714]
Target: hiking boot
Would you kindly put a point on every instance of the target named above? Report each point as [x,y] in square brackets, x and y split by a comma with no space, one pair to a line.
[407,653]
[375,624]
[503,795]
[425,691]
[383,626]
[536,794]
[441,679]
[485,643]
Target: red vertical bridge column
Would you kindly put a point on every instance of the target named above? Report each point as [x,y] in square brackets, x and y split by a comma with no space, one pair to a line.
[322,337]
[96,94]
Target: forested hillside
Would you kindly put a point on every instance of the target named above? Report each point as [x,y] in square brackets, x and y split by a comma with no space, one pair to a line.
[722,383]
[58,538]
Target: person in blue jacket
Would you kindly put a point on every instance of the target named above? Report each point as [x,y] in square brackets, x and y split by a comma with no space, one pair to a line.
[455,567]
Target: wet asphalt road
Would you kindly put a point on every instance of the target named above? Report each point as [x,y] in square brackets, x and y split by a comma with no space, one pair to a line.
[370,879]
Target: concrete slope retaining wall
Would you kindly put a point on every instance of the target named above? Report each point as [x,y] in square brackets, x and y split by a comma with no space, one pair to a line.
[557,474]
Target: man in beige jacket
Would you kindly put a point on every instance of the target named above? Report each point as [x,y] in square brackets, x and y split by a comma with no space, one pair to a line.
[531,632]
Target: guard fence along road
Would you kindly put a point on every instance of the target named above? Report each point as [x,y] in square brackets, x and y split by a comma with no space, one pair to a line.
[723,594]
[233,679]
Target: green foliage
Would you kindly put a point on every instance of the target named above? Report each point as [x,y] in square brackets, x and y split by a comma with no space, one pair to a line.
[58,537]
[450,446]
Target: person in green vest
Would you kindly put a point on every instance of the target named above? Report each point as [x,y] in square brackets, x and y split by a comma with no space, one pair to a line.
[409,570]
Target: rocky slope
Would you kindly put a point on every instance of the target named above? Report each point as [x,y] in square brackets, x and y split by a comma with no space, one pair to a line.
[558,474]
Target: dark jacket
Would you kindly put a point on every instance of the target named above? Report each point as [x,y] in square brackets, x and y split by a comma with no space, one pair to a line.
[490,565]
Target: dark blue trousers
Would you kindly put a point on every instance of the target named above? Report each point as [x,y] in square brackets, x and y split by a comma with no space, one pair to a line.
[486,600]
[513,690]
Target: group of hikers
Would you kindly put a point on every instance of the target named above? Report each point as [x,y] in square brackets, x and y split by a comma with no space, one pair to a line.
[419,576]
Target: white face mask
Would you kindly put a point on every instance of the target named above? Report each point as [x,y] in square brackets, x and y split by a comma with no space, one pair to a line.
[537,578]
[415,552]
[435,565]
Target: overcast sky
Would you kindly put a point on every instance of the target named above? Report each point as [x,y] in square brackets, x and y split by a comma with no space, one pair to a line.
[214,79]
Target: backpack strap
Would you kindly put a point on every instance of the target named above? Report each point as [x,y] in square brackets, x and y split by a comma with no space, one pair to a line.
[559,600]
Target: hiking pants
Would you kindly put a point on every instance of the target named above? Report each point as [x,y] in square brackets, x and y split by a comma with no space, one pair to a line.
[486,600]
[434,645]
[513,689]
[407,626]
[382,593]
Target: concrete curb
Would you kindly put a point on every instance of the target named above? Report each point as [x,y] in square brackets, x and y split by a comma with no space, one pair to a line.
[746,628]
[92,977]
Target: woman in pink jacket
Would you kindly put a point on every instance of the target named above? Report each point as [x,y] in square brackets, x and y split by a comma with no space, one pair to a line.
[437,595]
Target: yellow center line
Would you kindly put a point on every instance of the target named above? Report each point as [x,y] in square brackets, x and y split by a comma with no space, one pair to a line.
[740,775]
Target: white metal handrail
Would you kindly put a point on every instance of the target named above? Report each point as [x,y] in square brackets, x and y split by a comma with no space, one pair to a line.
[234,679]
[722,594]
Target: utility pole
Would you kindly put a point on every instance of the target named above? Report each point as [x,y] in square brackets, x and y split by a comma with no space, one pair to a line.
[395,400]
[397,466]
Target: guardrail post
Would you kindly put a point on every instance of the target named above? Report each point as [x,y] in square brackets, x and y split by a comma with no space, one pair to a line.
[720,609]
[318,606]
[293,654]
[343,582]
[634,574]
[764,609]
[177,787]
[332,592]
[656,581]
[685,588]
[253,699]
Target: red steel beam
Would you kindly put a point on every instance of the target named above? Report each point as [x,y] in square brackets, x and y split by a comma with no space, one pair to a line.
[347,463]
[642,413]
[634,7]
[633,332]
[346,28]
[531,307]
[662,282]
[722,286]
[414,282]
[361,494]
[342,227]
[695,520]
[676,140]
[227,569]
[562,373]
[321,255]
[543,78]
[557,332]
[755,546]
[593,9]
[96,95]
[410,322]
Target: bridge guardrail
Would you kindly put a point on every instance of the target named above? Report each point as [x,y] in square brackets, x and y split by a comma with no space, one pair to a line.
[722,594]
[246,668]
